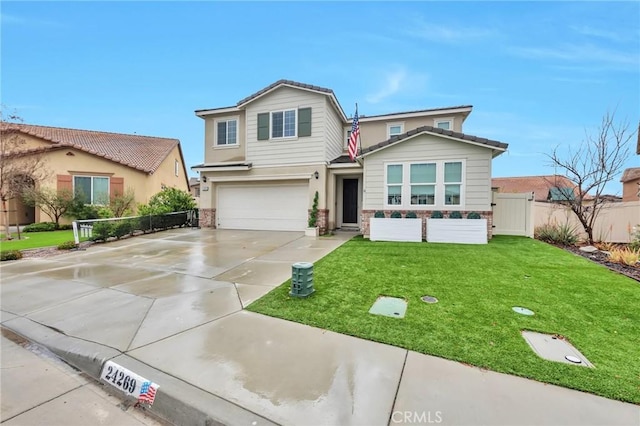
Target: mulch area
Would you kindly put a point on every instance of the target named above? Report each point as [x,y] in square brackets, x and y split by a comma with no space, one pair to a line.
[49,251]
[603,259]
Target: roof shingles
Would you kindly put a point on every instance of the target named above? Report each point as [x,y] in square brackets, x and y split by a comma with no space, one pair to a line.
[144,153]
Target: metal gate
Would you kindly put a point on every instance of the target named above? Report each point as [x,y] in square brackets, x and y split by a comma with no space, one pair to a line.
[513,214]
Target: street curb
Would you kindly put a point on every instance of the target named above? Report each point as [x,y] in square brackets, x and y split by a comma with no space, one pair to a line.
[176,401]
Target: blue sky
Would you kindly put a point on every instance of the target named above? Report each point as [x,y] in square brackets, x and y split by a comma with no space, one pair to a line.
[538,74]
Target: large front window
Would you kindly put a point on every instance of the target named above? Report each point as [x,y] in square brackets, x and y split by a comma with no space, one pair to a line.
[283,124]
[432,184]
[227,132]
[91,189]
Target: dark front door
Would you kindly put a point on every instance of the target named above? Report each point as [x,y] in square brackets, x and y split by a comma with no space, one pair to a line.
[350,201]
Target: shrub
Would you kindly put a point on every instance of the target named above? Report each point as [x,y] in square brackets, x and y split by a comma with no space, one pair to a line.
[123,228]
[556,234]
[105,213]
[436,214]
[10,255]
[625,256]
[81,211]
[455,215]
[65,227]
[474,215]
[102,231]
[313,217]
[40,227]
[378,214]
[411,215]
[67,245]
[396,214]
[634,244]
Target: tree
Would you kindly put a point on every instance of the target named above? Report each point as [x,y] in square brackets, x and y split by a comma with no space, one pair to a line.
[167,201]
[595,163]
[21,166]
[122,204]
[53,203]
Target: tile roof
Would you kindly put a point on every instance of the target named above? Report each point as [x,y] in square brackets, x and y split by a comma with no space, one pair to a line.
[434,130]
[288,83]
[631,173]
[144,153]
[541,186]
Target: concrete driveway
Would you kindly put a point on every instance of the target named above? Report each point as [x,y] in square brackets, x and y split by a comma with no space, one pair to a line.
[169,306]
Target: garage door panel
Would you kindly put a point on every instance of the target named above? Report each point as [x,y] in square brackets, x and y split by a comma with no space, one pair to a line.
[263,207]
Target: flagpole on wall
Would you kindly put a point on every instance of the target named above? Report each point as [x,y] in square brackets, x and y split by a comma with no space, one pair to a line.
[359,134]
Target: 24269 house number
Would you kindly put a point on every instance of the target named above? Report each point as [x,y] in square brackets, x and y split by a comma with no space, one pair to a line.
[120,379]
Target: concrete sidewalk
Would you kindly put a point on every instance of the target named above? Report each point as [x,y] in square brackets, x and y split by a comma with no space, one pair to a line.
[169,307]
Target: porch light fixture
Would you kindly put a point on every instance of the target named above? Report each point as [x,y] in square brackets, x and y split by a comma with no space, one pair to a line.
[204,179]
[316,175]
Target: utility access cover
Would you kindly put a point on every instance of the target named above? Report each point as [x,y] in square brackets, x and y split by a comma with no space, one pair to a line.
[393,307]
[555,348]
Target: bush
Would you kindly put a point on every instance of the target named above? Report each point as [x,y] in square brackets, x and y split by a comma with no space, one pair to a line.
[81,211]
[10,255]
[396,214]
[123,228]
[474,215]
[65,227]
[455,215]
[379,214]
[67,245]
[411,215]
[102,231]
[625,256]
[40,227]
[634,244]
[436,214]
[556,234]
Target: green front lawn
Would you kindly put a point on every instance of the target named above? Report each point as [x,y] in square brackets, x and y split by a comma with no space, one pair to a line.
[597,310]
[30,240]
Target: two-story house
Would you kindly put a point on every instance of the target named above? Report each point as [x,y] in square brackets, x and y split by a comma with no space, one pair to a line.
[267,156]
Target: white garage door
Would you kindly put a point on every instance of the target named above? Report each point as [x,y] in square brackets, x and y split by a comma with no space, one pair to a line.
[263,207]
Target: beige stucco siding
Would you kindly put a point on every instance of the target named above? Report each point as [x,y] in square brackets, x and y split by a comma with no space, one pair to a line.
[335,135]
[218,153]
[166,175]
[373,132]
[295,150]
[476,175]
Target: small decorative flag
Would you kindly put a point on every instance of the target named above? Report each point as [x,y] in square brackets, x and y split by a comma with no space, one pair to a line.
[148,392]
[353,139]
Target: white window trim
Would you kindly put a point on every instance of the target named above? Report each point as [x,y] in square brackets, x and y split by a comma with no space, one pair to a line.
[73,180]
[439,190]
[449,120]
[390,125]
[295,122]
[215,132]
[176,167]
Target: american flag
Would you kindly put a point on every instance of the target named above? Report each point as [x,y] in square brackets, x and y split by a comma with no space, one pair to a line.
[353,139]
[147,392]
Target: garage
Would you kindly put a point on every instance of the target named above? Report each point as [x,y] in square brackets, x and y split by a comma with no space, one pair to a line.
[274,207]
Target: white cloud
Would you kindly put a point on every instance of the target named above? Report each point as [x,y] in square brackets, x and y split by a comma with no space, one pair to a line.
[7,19]
[449,34]
[596,32]
[392,84]
[587,53]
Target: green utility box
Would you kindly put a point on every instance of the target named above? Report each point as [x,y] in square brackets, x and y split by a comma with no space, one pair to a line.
[301,279]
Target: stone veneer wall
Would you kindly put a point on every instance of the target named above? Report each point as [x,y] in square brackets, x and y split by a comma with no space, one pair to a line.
[322,221]
[207,218]
[422,214]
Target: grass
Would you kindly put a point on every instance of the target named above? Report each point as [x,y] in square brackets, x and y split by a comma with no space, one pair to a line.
[597,310]
[31,240]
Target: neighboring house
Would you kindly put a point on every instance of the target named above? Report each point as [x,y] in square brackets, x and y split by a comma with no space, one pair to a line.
[631,184]
[553,188]
[266,157]
[99,165]
[194,189]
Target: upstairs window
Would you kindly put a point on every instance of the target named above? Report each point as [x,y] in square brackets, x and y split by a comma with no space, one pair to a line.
[283,124]
[227,132]
[395,129]
[444,124]
[92,189]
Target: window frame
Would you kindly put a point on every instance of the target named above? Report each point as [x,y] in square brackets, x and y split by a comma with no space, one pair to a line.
[445,183]
[397,124]
[437,121]
[227,144]
[283,112]
[439,186]
[91,196]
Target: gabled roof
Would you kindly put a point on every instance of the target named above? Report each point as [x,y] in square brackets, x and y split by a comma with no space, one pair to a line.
[280,83]
[416,113]
[475,140]
[144,153]
[545,188]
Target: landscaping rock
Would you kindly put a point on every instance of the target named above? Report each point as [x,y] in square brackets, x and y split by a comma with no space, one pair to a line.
[588,249]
